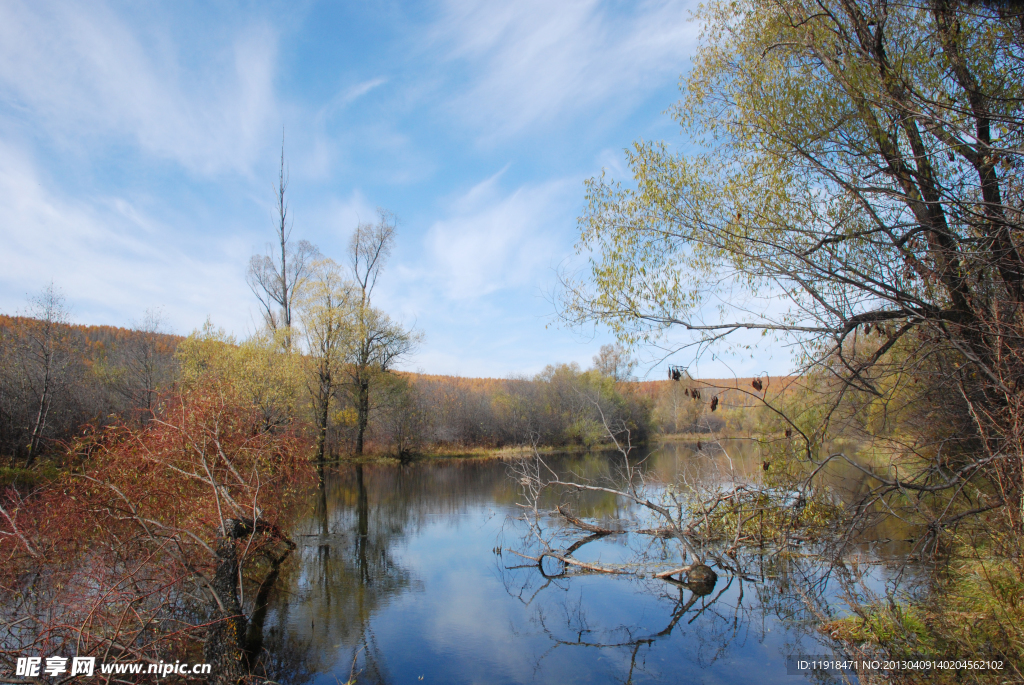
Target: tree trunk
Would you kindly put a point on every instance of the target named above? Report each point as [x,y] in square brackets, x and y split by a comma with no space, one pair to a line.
[364,412]
[321,433]
[362,526]
[225,640]
[40,422]
[323,409]
[254,633]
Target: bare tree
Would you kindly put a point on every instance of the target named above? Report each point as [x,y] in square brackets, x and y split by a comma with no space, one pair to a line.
[145,364]
[614,361]
[46,357]
[277,277]
[369,249]
[380,341]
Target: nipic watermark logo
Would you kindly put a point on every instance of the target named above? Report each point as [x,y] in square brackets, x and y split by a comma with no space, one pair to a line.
[30,666]
[34,666]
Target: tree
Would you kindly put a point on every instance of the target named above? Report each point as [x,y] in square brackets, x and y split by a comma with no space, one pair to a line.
[45,354]
[614,361]
[261,370]
[676,410]
[380,342]
[169,538]
[400,414]
[277,277]
[143,364]
[858,194]
[330,307]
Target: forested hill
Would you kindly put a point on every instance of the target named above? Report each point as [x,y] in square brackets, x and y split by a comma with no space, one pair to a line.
[57,378]
[99,339]
[735,391]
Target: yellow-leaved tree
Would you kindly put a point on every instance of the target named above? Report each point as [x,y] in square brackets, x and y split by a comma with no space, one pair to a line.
[851,185]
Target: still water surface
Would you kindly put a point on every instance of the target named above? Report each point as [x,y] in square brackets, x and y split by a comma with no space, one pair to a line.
[397,579]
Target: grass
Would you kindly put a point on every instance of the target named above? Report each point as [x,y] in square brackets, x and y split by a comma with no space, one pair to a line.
[467,452]
[27,478]
[975,613]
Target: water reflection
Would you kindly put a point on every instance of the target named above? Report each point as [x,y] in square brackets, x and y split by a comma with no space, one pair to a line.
[396,579]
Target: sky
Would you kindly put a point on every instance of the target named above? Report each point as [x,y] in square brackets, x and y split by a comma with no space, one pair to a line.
[140,144]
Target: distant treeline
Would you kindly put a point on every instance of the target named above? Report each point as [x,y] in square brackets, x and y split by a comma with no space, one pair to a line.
[57,379]
[712,405]
[411,413]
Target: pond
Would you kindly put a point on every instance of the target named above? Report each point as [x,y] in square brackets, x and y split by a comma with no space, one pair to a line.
[403,574]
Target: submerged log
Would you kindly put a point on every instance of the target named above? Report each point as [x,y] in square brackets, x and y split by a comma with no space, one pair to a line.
[583,525]
[700,578]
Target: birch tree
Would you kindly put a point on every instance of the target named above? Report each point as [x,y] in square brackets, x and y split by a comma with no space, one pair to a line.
[46,356]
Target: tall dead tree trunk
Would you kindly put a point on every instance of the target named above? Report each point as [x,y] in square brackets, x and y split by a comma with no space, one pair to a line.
[277,279]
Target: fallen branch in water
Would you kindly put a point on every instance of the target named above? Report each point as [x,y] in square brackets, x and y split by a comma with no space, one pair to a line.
[583,525]
[569,560]
[681,570]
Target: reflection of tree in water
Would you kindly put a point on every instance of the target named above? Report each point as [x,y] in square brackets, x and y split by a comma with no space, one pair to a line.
[345,572]
[571,626]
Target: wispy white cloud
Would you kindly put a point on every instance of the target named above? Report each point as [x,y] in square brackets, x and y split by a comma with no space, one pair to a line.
[476,281]
[493,240]
[533,60]
[353,93]
[81,72]
[330,222]
[194,99]
[112,260]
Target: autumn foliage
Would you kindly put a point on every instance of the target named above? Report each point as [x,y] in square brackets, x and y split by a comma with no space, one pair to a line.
[120,558]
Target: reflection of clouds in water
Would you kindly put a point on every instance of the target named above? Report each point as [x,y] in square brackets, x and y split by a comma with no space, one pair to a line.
[464,598]
[651,631]
[401,573]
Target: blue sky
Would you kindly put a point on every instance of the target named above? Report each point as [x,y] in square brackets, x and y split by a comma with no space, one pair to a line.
[139,144]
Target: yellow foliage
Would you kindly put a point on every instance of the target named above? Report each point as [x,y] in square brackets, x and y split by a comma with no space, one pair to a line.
[261,370]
